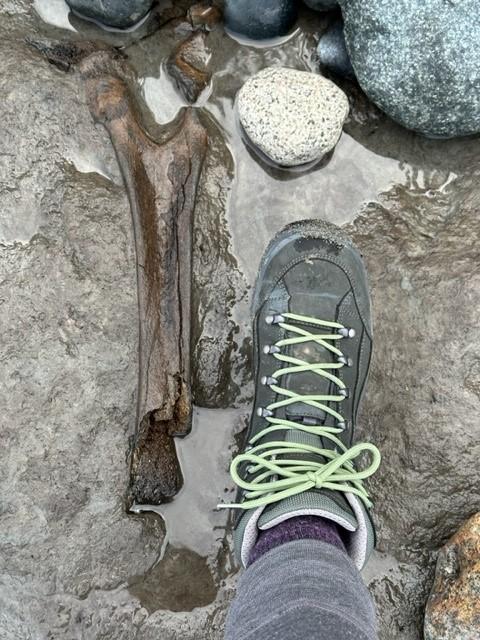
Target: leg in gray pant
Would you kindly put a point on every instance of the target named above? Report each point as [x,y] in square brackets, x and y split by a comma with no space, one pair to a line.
[302,590]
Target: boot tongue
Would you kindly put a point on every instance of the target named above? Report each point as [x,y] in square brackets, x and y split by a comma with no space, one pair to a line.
[308,301]
[308,383]
[322,502]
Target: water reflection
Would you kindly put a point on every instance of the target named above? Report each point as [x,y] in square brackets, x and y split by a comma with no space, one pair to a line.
[192,519]
[54,12]
[265,199]
[161,97]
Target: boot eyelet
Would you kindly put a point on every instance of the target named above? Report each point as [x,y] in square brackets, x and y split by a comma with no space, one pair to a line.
[274,319]
[348,362]
[270,349]
[346,332]
[344,392]
[342,425]
[267,381]
[264,413]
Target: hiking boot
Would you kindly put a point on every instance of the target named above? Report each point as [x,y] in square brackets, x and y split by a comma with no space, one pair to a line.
[312,348]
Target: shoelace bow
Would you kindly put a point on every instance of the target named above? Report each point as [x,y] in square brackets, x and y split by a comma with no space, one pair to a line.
[282,478]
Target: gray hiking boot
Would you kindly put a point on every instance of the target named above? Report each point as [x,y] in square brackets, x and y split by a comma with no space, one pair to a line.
[312,347]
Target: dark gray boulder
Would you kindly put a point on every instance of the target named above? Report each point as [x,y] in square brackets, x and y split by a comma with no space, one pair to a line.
[419,61]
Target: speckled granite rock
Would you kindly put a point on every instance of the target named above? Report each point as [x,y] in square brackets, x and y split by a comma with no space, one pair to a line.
[332,51]
[321,5]
[293,117]
[119,14]
[453,610]
[260,20]
[418,61]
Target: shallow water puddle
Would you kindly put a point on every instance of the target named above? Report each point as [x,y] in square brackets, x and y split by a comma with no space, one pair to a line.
[191,519]
[194,556]
[263,197]
[161,97]
[54,12]
[266,198]
[335,193]
[182,581]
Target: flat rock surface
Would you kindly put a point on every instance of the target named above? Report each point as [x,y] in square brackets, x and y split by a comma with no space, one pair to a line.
[73,564]
[68,303]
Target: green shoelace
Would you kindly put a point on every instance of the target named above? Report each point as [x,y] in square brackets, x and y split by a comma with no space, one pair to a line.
[282,478]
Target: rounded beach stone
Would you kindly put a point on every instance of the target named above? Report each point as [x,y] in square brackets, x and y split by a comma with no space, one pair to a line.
[332,51]
[293,117]
[260,20]
[118,14]
[418,61]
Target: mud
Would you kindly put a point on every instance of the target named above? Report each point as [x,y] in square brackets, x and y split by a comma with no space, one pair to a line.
[181,581]
[73,562]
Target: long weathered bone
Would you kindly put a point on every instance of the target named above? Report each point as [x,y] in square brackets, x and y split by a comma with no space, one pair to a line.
[161,181]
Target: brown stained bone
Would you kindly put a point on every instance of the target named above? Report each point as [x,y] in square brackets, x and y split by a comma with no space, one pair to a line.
[188,66]
[161,180]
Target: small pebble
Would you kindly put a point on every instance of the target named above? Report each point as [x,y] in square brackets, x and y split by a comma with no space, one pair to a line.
[188,66]
[332,51]
[204,15]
